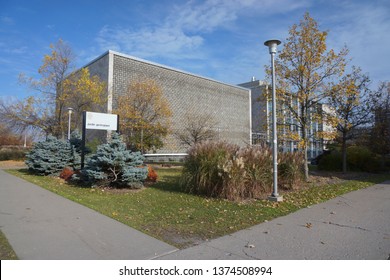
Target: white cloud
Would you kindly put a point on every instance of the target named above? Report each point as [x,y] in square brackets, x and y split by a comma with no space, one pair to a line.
[182,33]
[205,17]
[148,42]
[9,48]
[7,20]
[364,28]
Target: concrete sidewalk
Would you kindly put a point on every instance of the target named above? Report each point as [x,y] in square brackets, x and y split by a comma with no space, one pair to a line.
[353,226]
[42,225]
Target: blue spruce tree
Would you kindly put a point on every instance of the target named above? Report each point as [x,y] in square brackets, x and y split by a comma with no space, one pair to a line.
[50,157]
[113,165]
[76,145]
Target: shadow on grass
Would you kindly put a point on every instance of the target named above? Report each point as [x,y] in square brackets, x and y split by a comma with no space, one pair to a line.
[350,176]
[73,184]
[170,183]
[25,171]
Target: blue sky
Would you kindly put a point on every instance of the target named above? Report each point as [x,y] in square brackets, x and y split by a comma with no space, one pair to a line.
[220,39]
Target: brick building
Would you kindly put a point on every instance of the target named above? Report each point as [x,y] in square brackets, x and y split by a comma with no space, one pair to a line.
[261,102]
[229,105]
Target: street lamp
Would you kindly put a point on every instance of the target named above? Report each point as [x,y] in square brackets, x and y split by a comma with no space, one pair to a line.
[272,45]
[70,110]
[25,133]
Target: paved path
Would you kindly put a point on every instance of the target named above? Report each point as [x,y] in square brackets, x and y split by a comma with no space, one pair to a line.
[353,226]
[42,225]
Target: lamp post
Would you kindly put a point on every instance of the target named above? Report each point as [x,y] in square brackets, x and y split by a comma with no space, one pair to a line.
[70,110]
[25,140]
[25,133]
[272,45]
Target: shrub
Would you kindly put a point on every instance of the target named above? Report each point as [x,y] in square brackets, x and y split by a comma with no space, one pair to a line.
[359,159]
[113,165]
[67,173]
[12,154]
[152,175]
[223,170]
[204,165]
[249,174]
[76,143]
[362,159]
[50,156]
[331,162]
[290,170]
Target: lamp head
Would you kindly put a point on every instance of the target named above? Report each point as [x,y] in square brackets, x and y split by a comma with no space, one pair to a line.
[272,44]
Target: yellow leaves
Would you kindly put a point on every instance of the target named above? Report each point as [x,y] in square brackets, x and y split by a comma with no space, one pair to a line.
[305,54]
[144,113]
[308,225]
[81,91]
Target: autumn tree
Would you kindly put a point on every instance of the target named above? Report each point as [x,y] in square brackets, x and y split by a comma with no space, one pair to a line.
[144,115]
[350,103]
[304,70]
[380,134]
[55,67]
[59,89]
[8,137]
[29,113]
[81,92]
[196,128]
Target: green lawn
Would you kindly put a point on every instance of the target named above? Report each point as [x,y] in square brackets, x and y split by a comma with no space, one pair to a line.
[164,211]
[6,251]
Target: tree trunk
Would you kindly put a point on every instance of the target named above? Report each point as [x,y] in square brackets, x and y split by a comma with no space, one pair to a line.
[305,144]
[306,165]
[344,152]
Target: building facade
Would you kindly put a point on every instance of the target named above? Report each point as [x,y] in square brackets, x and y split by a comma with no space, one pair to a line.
[228,105]
[262,121]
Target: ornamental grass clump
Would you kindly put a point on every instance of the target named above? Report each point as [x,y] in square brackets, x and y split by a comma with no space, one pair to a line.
[223,170]
[291,170]
[252,174]
[203,171]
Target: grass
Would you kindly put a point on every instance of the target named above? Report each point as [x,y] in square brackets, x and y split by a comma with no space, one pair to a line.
[6,251]
[164,211]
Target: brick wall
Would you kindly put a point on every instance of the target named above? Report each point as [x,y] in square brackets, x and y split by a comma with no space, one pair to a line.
[229,105]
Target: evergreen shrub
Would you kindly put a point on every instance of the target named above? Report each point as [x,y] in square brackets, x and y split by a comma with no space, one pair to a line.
[114,166]
[76,144]
[50,157]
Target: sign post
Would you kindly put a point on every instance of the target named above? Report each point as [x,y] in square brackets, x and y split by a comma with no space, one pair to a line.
[99,121]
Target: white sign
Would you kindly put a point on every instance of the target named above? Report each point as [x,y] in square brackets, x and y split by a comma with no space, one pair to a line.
[101,121]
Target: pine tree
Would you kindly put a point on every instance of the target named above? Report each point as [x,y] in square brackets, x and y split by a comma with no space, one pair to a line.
[76,145]
[113,165]
[50,157]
